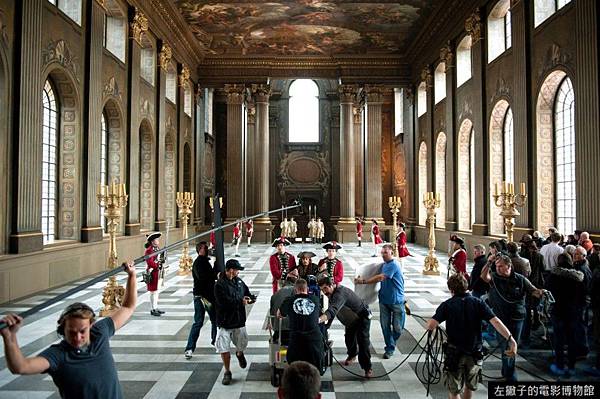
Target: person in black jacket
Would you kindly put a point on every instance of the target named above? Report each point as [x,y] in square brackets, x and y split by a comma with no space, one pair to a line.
[204,297]
[477,286]
[231,297]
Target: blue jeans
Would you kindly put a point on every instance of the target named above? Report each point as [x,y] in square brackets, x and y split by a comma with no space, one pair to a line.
[199,312]
[508,363]
[391,318]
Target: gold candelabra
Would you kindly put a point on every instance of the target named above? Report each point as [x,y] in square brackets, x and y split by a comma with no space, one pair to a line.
[185,203]
[212,206]
[395,203]
[431,202]
[508,202]
[112,198]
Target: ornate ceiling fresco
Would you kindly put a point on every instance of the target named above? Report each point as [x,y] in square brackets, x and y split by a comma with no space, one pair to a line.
[305,27]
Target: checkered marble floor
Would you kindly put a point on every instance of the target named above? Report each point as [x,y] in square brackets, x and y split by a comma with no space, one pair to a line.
[149,351]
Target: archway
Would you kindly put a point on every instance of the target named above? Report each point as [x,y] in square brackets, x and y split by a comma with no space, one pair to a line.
[170,180]
[440,178]
[114,117]
[464,175]
[422,182]
[497,161]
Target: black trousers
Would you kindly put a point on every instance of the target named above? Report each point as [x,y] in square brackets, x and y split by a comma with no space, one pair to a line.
[307,347]
[358,341]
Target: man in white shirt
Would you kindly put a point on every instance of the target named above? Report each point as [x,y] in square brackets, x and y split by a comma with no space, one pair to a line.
[550,253]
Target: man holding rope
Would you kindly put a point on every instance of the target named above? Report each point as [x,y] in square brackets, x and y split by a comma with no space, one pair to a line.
[84,350]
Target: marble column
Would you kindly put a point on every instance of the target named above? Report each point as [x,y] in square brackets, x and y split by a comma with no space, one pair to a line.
[235,151]
[373,186]
[137,25]
[521,108]
[91,229]
[410,149]
[346,179]
[473,26]
[26,235]
[587,106]
[251,147]
[164,59]
[359,160]
[450,200]
[199,158]
[261,175]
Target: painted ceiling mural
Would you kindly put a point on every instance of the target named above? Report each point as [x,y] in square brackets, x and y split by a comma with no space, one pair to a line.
[305,27]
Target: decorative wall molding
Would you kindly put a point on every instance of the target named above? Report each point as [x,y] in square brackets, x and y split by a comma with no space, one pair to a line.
[184,76]
[111,89]
[164,57]
[473,26]
[138,26]
[59,51]
[427,76]
[502,91]
[554,58]
[447,57]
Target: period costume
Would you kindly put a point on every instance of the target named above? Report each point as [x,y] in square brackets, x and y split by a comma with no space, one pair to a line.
[312,230]
[304,271]
[154,265]
[332,267]
[359,231]
[293,228]
[285,228]
[237,237]
[249,230]
[281,263]
[320,233]
[458,260]
[401,242]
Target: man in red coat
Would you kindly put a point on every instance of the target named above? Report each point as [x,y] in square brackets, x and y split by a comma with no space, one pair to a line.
[237,237]
[401,242]
[154,264]
[281,262]
[457,264]
[375,236]
[249,230]
[331,266]
[359,230]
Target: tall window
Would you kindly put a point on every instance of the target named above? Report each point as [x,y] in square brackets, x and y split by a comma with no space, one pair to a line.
[509,164]
[49,163]
[463,61]
[72,8]
[208,110]
[304,112]
[543,9]
[148,69]
[171,85]
[187,100]
[472,175]
[115,34]
[564,140]
[398,111]
[440,82]
[499,30]
[421,99]
[103,163]
[422,182]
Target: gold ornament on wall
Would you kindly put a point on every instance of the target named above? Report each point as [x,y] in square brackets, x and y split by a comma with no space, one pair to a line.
[473,26]
[427,76]
[184,76]
[447,57]
[138,26]
[164,57]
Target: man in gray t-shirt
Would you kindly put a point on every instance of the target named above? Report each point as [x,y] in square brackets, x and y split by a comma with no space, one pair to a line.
[81,365]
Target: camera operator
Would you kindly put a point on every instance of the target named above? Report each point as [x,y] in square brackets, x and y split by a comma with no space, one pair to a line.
[231,297]
[357,332]
[463,314]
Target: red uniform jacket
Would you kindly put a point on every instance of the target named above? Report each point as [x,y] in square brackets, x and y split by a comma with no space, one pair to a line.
[213,239]
[237,233]
[459,261]
[359,228]
[249,229]
[152,264]
[338,270]
[402,249]
[375,232]
[276,269]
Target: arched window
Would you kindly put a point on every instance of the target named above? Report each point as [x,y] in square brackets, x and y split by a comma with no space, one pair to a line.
[508,144]
[421,99]
[49,163]
[187,99]
[422,182]
[440,178]
[564,148]
[72,8]
[440,82]
[466,173]
[115,30]
[499,30]
[304,112]
[472,176]
[543,9]
[463,61]
[103,162]
[171,85]
[398,111]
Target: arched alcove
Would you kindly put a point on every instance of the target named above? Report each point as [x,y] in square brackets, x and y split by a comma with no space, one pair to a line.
[497,161]
[422,182]
[464,175]
[171,208]
[146,176]
[440,178]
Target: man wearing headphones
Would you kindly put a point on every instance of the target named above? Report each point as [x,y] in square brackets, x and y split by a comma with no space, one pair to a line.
[75,361]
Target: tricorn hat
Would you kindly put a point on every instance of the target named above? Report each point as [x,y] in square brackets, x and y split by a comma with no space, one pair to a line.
[233,264]
[307,254]
[457,239]
[400,224]
[280,240]
[153,236]
[332,245]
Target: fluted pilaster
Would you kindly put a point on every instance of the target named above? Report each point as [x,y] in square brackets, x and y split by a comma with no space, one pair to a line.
[347,99]
[26,233]
[261,183]
[451,223]
[251,147]
[160,190]
[235,151]
[373,187]
[359,169]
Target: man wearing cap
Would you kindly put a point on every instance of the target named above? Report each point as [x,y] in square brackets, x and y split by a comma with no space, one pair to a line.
[401,242]
[330,265]
[359,230]
[391,299]
[281,262]
[231,297]
[153,265]
[306,267]
[458,259]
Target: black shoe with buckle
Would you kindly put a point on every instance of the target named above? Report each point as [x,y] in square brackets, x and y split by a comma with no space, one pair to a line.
[160,311]
[242,359]
[226,378]
[154,312]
